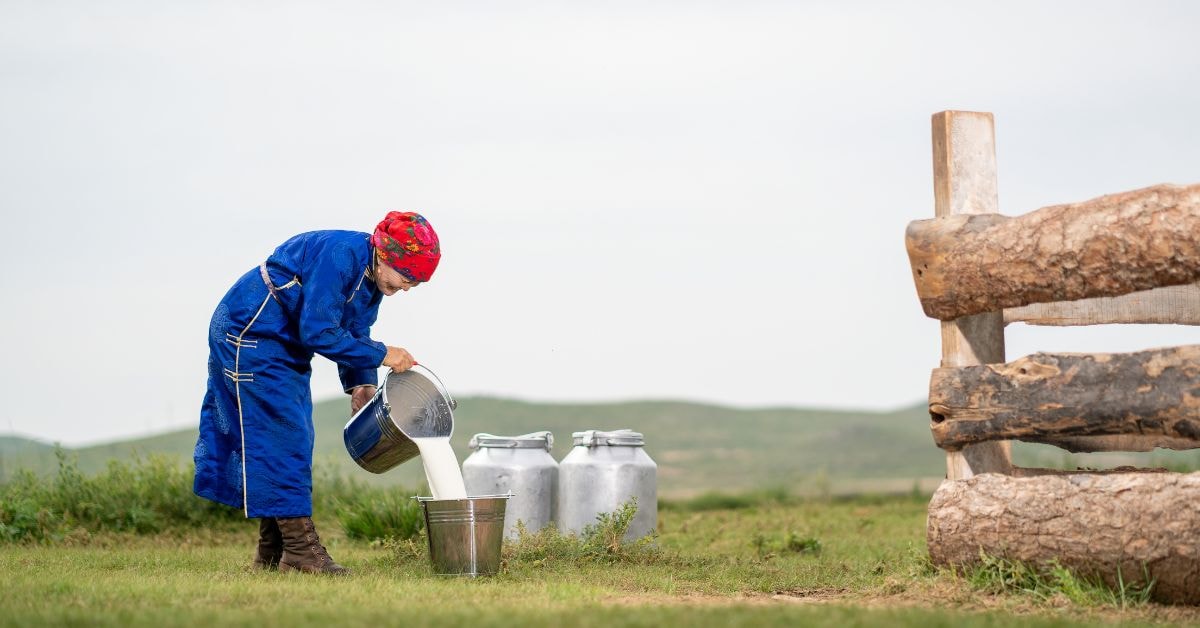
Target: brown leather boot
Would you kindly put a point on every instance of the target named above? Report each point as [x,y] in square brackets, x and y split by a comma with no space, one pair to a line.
[270,544]
[302,549]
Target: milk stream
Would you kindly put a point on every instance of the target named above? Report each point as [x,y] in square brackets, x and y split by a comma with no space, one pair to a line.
[441,468]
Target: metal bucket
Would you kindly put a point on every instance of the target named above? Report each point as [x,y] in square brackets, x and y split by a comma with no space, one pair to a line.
[408,405]
[465,535]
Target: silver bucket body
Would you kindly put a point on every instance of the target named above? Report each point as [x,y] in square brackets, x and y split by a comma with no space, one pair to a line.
[520,465]
[408,405]
[465,535]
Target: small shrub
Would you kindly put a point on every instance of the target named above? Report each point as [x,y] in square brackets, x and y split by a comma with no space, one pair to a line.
[371,513]
[759,541]
[600,542]
[767,548]
[415,549]
[796,544]
[607,535]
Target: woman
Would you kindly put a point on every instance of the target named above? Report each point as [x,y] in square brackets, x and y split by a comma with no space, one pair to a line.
[319,292]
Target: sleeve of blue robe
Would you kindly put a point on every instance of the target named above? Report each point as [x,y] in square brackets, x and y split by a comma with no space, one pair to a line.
[321,326]
[353,377]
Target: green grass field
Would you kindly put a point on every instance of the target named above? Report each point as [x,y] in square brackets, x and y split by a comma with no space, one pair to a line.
[809,562]
[99,542]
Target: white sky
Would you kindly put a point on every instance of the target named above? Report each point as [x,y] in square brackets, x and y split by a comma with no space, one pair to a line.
[694,200]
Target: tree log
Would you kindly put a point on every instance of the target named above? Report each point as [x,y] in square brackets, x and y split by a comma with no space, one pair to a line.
[1105,247]
[1045,397]
[1097,524]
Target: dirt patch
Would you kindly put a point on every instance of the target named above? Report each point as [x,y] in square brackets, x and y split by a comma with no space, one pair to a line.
[942,597]
[804,596]
[795,596]
[656,599]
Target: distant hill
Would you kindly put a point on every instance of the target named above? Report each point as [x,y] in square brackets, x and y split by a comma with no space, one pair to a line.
[698,447]
[17,452]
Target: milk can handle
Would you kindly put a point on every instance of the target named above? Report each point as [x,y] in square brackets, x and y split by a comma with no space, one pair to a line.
[509,443]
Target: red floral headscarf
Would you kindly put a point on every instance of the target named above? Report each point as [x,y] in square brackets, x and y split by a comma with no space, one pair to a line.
[407,242]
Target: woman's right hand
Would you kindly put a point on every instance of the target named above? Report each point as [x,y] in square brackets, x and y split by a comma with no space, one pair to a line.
[399,360]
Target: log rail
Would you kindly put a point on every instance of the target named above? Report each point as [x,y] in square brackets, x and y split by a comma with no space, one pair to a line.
[1106,247]
[1046,397]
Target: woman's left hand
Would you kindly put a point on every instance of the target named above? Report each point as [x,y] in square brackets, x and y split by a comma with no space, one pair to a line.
[360,396]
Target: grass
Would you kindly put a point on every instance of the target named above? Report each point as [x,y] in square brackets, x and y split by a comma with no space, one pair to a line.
[703,570]
[1046,582]
[131,546]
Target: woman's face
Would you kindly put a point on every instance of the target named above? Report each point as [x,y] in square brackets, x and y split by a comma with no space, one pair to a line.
[390,281]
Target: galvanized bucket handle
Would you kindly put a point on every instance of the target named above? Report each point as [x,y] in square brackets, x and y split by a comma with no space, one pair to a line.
[445,391]
[441,385]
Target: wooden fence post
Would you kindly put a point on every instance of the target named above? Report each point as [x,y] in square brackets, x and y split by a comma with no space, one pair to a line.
[964,182]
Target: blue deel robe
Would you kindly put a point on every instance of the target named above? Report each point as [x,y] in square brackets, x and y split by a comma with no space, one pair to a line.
[256,432]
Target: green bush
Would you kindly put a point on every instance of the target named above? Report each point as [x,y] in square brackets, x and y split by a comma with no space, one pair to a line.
[375,513]
[146,496]
[154,495]
[797,544]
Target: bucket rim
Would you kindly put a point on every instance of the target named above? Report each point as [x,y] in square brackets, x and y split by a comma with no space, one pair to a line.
[423,499]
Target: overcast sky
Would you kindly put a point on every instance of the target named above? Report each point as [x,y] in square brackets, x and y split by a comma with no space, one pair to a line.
[688,200]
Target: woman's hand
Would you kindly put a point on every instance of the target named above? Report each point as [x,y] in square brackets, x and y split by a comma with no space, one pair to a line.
[399,360]
[359,397]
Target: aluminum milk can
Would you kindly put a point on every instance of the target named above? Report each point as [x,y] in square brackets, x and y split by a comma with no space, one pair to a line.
[602,472]
[520,464]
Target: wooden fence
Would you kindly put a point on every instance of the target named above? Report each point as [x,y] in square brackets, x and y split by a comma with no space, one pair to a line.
[1132,257]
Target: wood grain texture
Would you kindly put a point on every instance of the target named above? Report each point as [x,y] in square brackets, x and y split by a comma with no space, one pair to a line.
[1105,247]
[1178,305]
[1096,524]
[964,183]
[1053,398]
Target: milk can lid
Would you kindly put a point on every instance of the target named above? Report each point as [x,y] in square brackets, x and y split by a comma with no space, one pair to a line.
[615,438]
[532,440]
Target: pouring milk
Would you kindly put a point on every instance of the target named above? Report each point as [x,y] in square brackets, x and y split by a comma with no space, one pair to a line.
[441,468]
